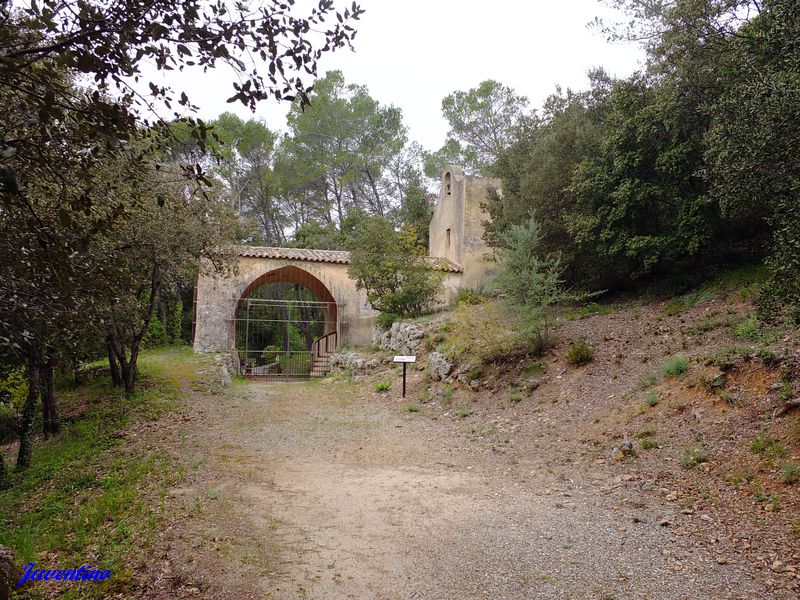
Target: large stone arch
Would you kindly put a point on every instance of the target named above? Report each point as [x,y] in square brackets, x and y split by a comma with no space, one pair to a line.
[323,272]
[300,276]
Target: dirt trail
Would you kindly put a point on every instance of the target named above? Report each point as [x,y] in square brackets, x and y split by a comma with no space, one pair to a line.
[323,490]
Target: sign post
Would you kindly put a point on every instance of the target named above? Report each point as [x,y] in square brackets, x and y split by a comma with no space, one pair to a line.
[405,360]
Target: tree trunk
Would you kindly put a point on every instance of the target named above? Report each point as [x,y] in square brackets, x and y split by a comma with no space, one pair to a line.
[50,418]
[127,367]
[128,377]
[3,474]
[28,412]
[118,342]
[374,186]
[116,378]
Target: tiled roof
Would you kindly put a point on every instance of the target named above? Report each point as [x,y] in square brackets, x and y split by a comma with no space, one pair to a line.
[442,264]
[330,256]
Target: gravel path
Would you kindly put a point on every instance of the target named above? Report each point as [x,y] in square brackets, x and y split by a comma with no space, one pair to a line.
[325,490]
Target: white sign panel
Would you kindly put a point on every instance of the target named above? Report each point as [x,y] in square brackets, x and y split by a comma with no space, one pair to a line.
[405,359]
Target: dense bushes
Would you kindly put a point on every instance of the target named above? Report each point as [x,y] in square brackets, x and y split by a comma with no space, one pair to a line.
[677,171]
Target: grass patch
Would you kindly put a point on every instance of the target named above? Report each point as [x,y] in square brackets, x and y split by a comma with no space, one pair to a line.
[447,399]
[515,397]
[725,358]
[91,492]
[592,308]
[382,387]
[534,369]
[693,457]
[739,477]
[648,444]
[790,471]
[414,408]
[652,398]
[463,413]
[648,380]
[493,332]
[767,446]
[675,367]
[751,329]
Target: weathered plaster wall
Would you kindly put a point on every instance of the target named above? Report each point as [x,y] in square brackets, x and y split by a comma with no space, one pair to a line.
[459,211]
[217,298]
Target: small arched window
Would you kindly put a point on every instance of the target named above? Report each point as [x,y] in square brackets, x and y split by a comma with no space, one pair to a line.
[447,183]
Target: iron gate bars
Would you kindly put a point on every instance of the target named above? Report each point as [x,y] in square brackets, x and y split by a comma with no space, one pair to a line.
[285,339]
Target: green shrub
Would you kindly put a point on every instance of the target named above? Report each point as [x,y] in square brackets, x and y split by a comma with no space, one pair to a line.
[515,397]
[414,407]
[652,398]
[790,471]
[492,333]
[13,391]
[675,367]
[156,334]
[580,353]
[385,319]
[382,387]
[648,444]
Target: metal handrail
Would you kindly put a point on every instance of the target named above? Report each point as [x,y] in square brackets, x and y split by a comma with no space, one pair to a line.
[318,343]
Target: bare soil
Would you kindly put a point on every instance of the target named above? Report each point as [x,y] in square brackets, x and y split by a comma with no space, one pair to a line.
[327,489]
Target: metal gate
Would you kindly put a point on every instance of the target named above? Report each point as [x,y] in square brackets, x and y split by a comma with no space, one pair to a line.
[285,339]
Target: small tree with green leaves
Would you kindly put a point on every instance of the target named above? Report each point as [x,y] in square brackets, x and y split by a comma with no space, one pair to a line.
[389,265]
[531,279]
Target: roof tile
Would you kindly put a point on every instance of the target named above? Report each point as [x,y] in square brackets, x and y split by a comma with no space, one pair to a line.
[330,256]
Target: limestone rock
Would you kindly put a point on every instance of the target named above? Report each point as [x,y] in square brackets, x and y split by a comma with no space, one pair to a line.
[627,447]
[351,361]
[438,366]
[401,338]
[223,367]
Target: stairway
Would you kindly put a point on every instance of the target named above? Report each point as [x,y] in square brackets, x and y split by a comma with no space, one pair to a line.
[321,350]
[319,366]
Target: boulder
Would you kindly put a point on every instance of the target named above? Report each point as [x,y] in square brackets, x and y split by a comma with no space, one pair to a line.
[438,366]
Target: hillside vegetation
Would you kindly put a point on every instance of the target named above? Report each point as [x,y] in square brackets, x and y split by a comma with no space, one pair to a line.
[690,396]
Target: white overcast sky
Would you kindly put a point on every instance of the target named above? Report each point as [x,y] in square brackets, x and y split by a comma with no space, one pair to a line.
[412,53]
